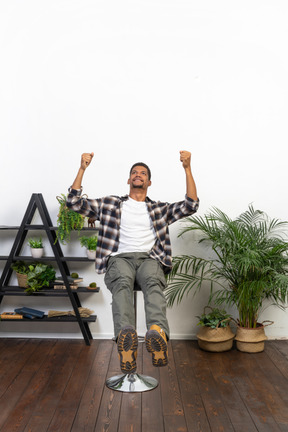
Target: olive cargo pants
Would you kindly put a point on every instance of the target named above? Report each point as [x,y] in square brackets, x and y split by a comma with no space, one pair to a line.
[123,271]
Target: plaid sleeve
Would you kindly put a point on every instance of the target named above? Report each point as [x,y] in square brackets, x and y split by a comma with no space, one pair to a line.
[181,209]
[85,206]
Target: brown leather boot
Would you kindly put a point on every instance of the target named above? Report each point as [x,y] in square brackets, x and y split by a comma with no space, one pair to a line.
[127,344]
[156,344]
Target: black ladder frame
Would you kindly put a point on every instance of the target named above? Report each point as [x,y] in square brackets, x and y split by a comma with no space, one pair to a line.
[37,202]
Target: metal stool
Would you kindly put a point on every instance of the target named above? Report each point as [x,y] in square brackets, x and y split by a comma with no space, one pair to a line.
[133,382]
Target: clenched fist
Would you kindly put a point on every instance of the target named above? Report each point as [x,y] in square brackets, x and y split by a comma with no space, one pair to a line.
[185,158]
[86,159]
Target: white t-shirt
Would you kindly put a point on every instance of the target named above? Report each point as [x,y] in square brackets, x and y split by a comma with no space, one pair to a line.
[136,230]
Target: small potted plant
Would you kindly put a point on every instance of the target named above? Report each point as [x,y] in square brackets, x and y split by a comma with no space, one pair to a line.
[90,243]
[38,275]
[22,269]
[215,334]
[36,247]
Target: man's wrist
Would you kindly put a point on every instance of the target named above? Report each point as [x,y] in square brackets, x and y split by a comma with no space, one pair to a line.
[188,169]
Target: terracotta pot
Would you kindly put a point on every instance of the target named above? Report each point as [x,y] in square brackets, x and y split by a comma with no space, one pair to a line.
[251,340]
[215,340]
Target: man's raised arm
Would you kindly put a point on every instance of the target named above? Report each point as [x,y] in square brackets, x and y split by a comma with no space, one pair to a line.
[191,191]
[86,159]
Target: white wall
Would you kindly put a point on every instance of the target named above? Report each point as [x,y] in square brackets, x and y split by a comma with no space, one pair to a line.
[140,80]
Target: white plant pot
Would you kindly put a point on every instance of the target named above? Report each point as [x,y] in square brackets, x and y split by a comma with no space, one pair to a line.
[37,252]
[91,254]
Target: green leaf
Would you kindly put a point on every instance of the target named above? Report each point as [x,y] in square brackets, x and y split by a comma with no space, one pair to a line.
[250,265]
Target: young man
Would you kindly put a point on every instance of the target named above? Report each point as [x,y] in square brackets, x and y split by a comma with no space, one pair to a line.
[134,247]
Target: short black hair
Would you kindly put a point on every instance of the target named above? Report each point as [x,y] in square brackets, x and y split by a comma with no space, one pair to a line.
[144,165]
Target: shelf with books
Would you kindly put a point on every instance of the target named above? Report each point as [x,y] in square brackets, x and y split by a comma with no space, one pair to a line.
[6,289]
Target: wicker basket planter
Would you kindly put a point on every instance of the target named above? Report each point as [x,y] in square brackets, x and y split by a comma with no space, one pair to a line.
[251,340]
[22,280]
[215,340]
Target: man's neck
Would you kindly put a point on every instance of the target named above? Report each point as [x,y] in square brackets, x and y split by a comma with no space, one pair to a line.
[137,195]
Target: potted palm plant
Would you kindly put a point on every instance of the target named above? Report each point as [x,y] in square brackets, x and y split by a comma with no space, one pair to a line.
[249,267]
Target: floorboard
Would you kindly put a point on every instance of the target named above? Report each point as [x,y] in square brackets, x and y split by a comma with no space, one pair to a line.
[52,385]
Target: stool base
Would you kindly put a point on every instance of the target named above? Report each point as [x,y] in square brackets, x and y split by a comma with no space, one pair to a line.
[132,383]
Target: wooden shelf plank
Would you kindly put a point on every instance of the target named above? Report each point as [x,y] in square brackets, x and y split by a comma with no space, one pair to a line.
[47,258]
[17,291]
[67,318]
[40,227]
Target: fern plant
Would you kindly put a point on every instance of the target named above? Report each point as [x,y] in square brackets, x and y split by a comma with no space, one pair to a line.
[250,263]
[67,221]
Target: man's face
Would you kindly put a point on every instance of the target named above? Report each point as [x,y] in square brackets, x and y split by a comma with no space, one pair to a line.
[139,178]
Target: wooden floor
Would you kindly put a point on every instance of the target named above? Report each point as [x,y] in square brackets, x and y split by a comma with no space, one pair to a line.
[59,386]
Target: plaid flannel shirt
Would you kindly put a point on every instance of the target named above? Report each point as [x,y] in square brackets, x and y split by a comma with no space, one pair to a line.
[107,211]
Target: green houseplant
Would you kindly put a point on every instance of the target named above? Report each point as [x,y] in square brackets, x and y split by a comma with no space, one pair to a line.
[67,221]
[215,334]
[38,275]
[249,267]
[22,269]
[36,247]
[90,243]
[215,318]
[35,243]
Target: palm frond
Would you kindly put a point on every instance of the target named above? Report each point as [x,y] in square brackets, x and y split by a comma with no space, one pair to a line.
[250,264]
[189,273]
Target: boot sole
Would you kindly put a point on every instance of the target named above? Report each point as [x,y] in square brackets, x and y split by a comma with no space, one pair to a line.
[157,346]
[127,345]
